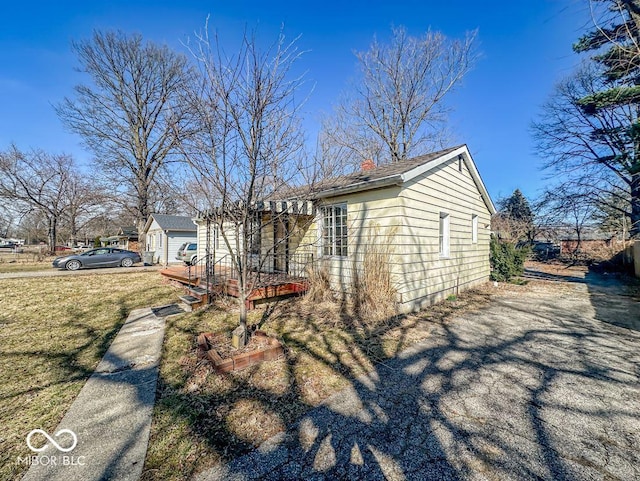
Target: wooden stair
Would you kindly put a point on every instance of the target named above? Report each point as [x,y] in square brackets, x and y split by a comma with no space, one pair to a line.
[195,298]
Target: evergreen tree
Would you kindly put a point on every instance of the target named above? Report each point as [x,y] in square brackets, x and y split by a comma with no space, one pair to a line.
[517,207]
[514,221]
[615,48]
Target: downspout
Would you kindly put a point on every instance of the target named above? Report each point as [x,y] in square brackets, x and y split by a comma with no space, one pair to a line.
[166,248]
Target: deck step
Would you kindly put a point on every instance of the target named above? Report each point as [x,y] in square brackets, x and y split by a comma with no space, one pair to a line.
[201,291]
[190,300]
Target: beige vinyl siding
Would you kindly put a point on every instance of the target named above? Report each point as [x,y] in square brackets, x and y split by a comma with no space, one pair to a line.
[299,240]
[367,213]
[220,249]
[426,276]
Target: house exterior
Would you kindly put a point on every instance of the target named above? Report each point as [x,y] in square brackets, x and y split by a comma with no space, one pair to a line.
[593,241]
[164,234]
[430,214]
[126,238]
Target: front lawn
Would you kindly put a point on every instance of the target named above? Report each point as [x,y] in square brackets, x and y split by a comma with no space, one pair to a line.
[53,333]
[24,261]
[202,418]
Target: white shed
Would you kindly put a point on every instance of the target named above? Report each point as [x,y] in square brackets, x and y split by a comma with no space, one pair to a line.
[164,234]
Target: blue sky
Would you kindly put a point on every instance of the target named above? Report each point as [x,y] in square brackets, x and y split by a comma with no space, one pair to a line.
[525,49]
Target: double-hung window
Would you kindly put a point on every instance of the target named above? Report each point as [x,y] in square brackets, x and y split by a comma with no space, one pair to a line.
[444,235]
[334,230]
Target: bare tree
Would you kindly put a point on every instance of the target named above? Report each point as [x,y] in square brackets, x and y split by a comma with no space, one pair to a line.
[248,140]
[32,225]
[569,208]
[37,181]
[589,129]
[397,106]
[593,152]
[8,218]
[85,201]
[612,217]
[130,116]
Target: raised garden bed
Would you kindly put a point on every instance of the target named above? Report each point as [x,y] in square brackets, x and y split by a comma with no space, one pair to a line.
[216,347]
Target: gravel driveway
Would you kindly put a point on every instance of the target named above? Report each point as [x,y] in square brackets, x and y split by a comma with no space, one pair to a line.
[544,383]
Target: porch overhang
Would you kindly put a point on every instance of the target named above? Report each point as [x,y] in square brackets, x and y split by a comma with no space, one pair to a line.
[294,207]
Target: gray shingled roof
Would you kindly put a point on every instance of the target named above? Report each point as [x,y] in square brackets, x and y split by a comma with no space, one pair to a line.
[175,222]
[377,177]
[368,177]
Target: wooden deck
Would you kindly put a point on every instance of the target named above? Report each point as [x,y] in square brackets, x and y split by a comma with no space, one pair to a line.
[180,274]
[268,286]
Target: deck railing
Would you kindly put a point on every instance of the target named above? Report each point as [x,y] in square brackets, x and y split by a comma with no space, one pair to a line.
[266,268]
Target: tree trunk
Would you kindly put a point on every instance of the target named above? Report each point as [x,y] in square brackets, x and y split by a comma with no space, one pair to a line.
[243,311]
[74,230]
[142,207]
[53,226]
[634,231]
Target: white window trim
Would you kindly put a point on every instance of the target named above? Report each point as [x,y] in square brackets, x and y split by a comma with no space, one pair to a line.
[321,217]
[474,229]
[444,236]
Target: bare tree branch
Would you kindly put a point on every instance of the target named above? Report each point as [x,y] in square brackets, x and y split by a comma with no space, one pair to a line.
[130,117]
[397,108]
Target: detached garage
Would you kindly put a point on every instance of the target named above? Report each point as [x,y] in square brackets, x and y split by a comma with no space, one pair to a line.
[164,234]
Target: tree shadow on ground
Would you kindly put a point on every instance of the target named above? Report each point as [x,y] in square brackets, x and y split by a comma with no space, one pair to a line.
[66,364]
[615,298]
[529,387]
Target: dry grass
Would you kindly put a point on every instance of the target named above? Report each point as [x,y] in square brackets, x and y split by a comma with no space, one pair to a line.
[27,261]
[319,285]
[371,302]
[202,418]
[374,294]
[53,332]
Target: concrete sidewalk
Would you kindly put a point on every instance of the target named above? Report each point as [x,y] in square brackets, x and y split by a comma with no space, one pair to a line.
[111,417]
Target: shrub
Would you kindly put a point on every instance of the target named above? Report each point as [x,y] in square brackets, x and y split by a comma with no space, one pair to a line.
[506,260]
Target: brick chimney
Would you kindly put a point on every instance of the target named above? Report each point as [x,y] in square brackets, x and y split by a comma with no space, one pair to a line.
[367,165]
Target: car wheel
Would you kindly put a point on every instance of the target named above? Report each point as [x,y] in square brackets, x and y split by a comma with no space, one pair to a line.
[72,265]
[194,259]
[127,262]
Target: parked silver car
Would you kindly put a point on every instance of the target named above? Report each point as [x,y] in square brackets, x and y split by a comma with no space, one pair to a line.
[188,253]
[101,257]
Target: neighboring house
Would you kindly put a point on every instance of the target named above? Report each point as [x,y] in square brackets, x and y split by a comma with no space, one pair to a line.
[431,212]
[164,234]
[11,241]
[592,240]
[126,238]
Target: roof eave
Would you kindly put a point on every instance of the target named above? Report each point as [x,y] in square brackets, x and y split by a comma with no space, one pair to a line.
[359,187]
[466,155]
